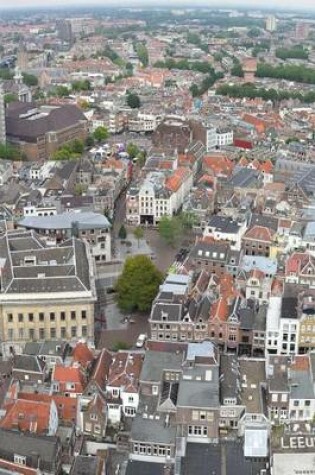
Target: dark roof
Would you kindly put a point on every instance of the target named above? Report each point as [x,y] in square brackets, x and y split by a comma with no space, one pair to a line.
[171,312]
[247,316]
[137,467]
[289,307]
[229,374]
[264,221]
[39,450]
[224,224]
[28,363]
[28,129]
[84,465]
[218,459]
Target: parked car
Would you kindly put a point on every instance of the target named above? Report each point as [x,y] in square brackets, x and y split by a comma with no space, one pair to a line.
[141,340]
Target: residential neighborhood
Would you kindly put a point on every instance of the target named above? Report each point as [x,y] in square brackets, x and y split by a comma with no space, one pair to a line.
[157,239]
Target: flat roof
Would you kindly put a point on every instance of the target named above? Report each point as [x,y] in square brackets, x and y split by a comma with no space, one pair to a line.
[293,464]
[84,219]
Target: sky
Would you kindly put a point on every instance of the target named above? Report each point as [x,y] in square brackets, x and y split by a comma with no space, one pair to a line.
[283,4]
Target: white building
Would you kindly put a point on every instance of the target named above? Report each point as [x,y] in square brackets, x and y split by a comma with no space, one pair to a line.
[281,328]
[224,136]
[271,23]
[211,138]
[226,229]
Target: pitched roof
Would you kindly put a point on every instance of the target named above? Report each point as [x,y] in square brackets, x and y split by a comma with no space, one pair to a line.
[65,374]
[259,233]
[220,310]
[27,416]
[125,371]
[66,406]
[82,354]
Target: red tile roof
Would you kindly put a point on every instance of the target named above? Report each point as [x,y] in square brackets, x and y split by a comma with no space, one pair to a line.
[82,354]
[220,310]
[125,371]
[66,406]
[259,233]
[27,416]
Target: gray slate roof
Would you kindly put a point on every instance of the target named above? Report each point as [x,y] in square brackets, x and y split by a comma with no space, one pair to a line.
[156,362]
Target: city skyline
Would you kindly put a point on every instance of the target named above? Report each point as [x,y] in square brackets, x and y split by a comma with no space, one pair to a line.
[281,4]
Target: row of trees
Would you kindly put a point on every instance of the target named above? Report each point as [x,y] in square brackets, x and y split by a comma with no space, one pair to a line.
[186,65]
[289,72]
[297,52]
[142,53]
[250,91]
[207,83]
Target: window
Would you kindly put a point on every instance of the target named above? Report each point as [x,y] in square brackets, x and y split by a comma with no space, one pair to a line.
[63,332]
[83,314]
[88,427]
[21,333]
[53,333]
[274,398]
[97,429]
[155,390]
[295,403]
[130,399]
[20,317]
[73,331]
[30,317]
[62,316]
[84,330]
[284,397]
[307,403]
[73,315]
[93,417]
[41,333]
[19,459]
[10,317]
[31,333]
[202,416]
[10,333]
[52,316]
[41,316]
[195,415]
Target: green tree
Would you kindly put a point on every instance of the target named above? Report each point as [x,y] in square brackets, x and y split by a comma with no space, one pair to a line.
[77,146]
[143,54]
[138,284]
[100,134]
[122,233]
[10,97]
[133,101]
[9,152]
[237,70]
[170,229]
[89,142]
[30,80]
[138,234]
[132,150]
[62,91]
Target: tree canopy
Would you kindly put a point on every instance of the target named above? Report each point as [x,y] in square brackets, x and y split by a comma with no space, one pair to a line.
[101,133]
[133,101]
[138,284]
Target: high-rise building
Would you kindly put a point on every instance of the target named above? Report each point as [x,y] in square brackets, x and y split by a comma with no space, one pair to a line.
[302,29]
[64,29]
[271,23]
[2,117]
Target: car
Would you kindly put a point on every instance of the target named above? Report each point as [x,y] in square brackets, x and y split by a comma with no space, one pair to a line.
[141,340]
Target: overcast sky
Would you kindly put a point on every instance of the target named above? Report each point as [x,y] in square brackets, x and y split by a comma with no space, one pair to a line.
[289,4]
